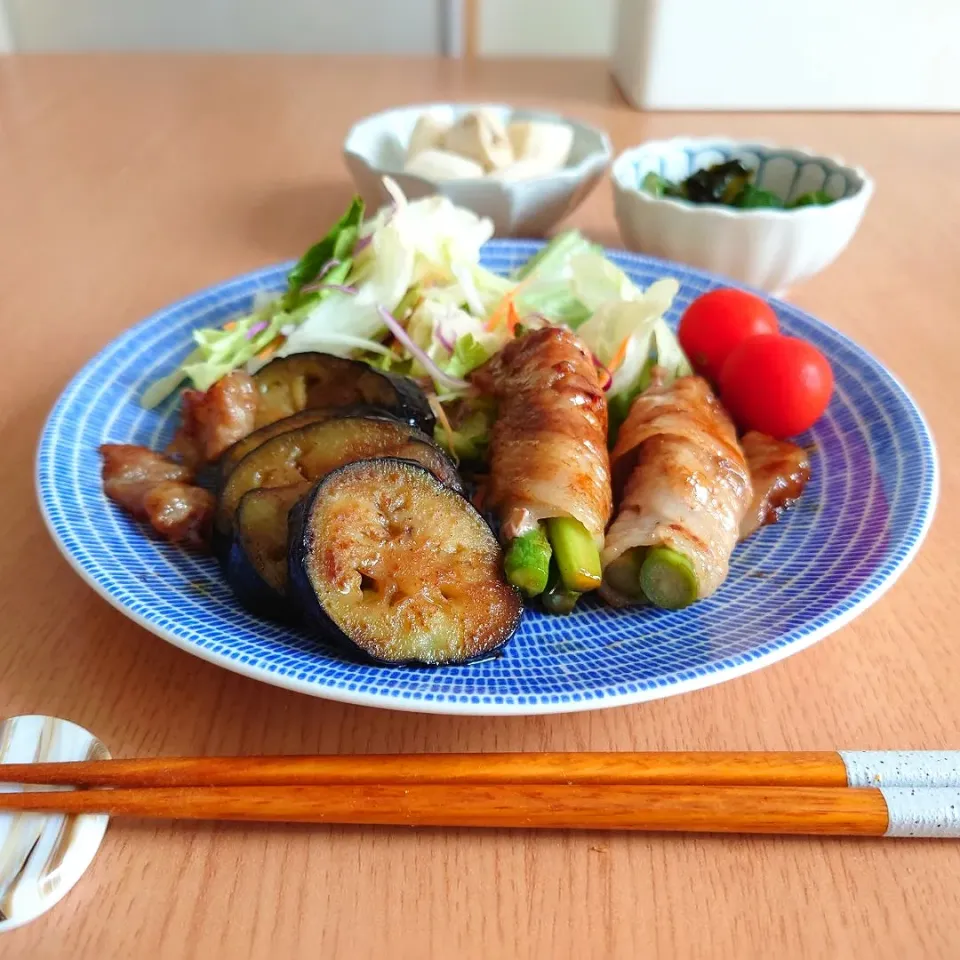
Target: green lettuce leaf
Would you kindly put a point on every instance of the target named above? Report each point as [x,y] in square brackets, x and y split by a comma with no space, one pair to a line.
[468,354]
[336,245]
[550,262]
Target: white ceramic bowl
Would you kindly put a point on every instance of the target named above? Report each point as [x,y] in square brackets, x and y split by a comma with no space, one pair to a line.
[376,146]
[769,249]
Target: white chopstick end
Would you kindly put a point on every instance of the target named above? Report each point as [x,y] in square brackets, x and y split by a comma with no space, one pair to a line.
[902,768]
[918,812]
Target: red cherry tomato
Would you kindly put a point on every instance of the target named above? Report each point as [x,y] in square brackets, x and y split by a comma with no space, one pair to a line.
[719,320]
[775,384]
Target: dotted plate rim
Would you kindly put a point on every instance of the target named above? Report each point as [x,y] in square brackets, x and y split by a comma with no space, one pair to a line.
[882,578]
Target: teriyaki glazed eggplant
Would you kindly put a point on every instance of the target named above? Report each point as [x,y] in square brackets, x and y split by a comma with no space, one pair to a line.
[290,384]
[255,564]
[388,562]
[250,524]
[306,454]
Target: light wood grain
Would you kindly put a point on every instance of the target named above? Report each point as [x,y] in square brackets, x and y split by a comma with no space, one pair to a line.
[127,182]
[784,769]
[821,811]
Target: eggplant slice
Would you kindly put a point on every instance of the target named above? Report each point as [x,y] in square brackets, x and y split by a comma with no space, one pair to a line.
[301,457]
[233,455]
[256,566]
[389,563]
[290,384]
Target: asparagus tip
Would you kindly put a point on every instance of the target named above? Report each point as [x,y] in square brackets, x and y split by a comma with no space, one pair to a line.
[578,558]
[526,562]
[668,579]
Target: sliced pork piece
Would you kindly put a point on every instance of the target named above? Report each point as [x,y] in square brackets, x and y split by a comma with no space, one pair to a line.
[131,471]
[154,488]
[779,471]
[213,421]
[682,488]
[181,512]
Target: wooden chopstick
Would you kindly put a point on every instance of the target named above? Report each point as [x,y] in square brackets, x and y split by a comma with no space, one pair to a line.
[781,810]
[821,769]
[912,793]
[780,769]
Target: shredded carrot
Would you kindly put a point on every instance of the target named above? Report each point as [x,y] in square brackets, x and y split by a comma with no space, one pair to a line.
[493,320]
[230,324]
[619,356]
[437,407]
[503,308]
[272,347]
[603,375]
[513,318]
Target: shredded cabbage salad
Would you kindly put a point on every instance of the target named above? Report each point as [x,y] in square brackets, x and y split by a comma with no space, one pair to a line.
[405,291]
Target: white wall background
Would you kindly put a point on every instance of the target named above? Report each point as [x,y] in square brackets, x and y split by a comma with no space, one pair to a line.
[668,54]
[579,28]
[322,26]
[6,39]
[552,28]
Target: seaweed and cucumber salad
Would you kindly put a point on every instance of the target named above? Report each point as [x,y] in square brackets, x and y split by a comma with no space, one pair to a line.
[729,184]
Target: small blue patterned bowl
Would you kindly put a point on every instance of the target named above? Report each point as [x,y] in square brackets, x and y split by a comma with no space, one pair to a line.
[769,249]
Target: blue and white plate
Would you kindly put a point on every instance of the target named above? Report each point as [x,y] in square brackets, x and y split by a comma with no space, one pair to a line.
[860,522]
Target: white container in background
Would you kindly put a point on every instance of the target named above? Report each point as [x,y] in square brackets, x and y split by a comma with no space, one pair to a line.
[772,55]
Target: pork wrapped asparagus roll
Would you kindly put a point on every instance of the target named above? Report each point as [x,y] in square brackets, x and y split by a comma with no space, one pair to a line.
[549,467]
[682,487]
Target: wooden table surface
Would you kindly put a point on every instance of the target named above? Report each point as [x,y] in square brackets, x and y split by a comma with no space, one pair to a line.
[127,182]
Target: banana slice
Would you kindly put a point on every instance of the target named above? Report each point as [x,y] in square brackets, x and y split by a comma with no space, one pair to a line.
[442,165]
[544,146]
[482,137]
